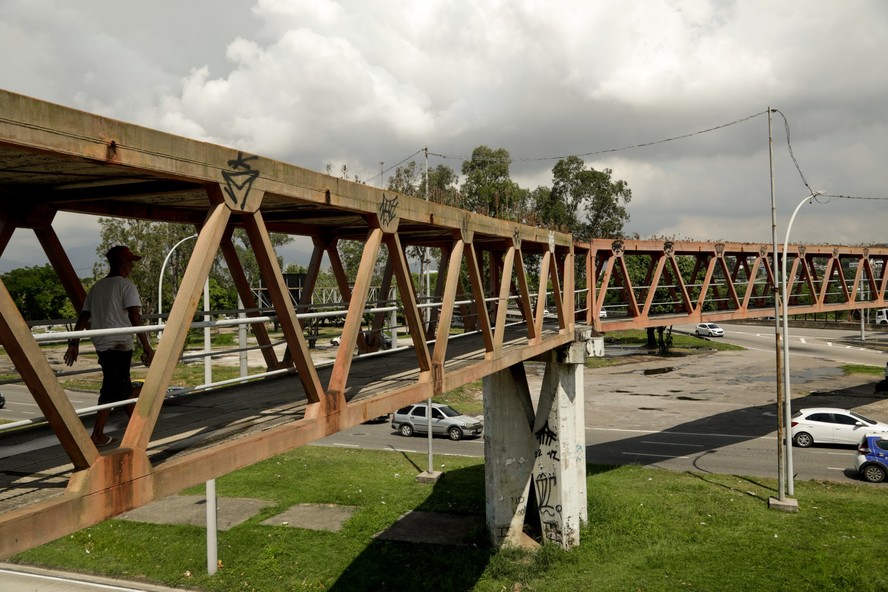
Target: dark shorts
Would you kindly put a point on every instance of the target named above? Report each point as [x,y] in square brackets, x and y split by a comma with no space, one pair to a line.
[116,383]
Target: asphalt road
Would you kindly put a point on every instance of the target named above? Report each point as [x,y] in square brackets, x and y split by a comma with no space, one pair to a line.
[20,404]
[17,578]
[712,413]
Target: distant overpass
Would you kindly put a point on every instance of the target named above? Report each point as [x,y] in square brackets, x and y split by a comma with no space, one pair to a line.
[646,283]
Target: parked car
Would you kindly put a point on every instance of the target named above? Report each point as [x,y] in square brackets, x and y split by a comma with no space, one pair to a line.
[386,340]
[602,314]
[709,330]
[828,425]
[2,401]
[872,458]
[446,420]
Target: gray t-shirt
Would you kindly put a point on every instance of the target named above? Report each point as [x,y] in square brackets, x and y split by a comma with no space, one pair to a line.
[107,303]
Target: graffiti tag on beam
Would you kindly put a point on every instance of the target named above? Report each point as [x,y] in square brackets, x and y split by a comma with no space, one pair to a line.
[239,179]
[388,209]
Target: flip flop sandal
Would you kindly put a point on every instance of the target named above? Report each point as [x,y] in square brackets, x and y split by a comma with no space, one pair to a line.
[107,442]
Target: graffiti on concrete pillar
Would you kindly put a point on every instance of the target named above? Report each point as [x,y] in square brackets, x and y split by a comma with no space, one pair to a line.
[552,531]
[547,471]
[387,209]
[546,485]
[545,436]
[239,179]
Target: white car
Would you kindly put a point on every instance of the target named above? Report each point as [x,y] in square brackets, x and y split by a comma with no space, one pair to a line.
[828,425]
[446,421]
[386,340]
[709,330]
[602,314]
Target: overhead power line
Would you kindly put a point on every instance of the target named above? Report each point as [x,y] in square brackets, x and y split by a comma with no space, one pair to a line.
[792,155]
[612,150]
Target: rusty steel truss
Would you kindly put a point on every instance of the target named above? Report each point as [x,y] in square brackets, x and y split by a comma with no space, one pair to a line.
[54,159]
[646,283]
[515,288]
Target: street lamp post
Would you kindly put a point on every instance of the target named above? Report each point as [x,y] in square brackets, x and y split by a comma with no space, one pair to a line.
[160,282]
[787,398]
[778,349]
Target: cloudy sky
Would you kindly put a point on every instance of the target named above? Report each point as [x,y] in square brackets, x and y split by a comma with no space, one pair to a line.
[360,82]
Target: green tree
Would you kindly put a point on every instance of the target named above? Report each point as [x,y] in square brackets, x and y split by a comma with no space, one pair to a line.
[155,241]
[488,188]
[407,180]
[411,180]
[38,293]
[442,186]
[585,202]
[351,251]
[247,256]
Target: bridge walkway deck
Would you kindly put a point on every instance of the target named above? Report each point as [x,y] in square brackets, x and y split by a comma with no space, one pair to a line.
[34,467]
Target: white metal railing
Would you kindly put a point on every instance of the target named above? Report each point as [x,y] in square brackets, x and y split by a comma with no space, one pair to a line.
[57,336]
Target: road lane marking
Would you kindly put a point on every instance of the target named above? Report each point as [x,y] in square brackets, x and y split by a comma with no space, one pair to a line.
[655,455]
[671,443]
[720,435]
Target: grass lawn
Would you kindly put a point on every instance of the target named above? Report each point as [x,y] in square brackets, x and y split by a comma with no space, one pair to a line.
[863,369]
[648,530]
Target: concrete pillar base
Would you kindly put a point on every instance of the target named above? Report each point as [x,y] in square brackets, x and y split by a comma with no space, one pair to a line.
[521,541]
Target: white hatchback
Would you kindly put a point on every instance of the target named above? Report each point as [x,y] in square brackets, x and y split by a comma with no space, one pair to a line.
[828,425]
[709,330]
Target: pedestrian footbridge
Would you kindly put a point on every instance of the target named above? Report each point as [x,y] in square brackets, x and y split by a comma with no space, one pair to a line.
[505,293]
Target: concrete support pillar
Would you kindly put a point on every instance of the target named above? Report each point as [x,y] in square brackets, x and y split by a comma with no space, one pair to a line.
[559,471]
[539,452]
[508,450]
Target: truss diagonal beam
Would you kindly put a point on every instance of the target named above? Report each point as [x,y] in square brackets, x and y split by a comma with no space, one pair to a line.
[408,298]
[280,297]
[147,409]
[352,328]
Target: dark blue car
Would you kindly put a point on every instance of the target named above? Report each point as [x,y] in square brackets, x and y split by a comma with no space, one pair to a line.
[872,457]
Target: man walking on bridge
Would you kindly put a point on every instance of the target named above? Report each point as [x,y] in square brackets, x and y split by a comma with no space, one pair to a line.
[112,302]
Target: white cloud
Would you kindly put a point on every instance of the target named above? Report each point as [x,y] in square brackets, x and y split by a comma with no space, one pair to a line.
[351,82]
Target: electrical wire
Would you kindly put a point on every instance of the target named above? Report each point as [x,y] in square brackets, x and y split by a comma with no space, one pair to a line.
[609,150]
[394,166]
[791,153]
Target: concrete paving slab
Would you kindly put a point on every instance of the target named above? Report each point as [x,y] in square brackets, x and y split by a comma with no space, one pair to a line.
[433,527]
[329,517]
[192,509]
